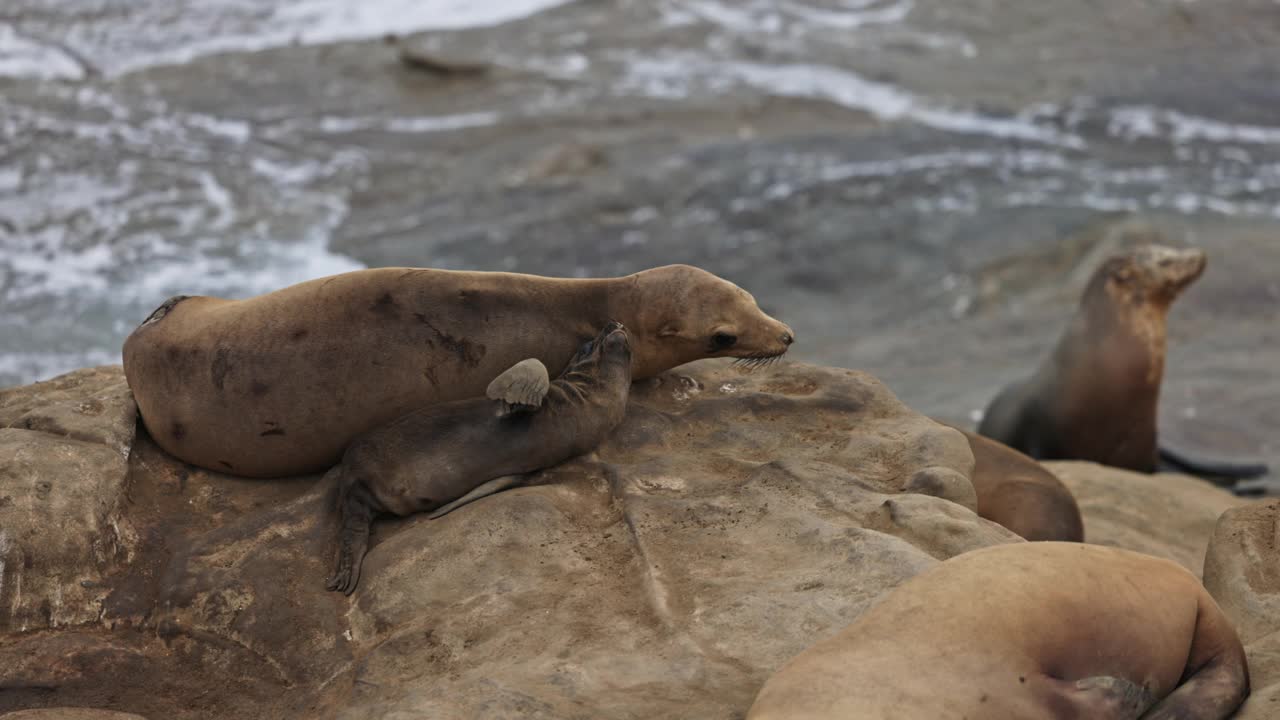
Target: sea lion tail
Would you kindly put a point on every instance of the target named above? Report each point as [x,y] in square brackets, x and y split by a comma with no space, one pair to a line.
[1181,462]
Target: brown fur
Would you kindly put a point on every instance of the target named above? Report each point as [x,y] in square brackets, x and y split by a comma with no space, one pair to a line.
[437,454]
[1028,630]
[1021,494]
[1095,398]
[279,384]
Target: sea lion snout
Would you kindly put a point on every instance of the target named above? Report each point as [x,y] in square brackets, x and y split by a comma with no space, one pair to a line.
[1165,271]
[1173,265]
[615,338]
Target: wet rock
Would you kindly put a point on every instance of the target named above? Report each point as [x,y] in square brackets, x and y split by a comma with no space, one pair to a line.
[1166,515]
[63,448]
[730,521]
[443,61]
[566,161]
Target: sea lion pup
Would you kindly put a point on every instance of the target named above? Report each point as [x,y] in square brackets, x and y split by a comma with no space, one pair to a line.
[1095,398]
[280,384]
[449,454]
[1025,630]
[1021,494]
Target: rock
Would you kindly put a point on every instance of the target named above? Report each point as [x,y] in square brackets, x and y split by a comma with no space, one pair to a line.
[70,713]
[93,405]
[451,61]
[731,520]
[63,449]
[1166,515]
[1264,676]
[1242,568]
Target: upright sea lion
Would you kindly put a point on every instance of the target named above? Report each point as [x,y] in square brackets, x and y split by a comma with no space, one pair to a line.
[448,454]
[1026,630]
[1095,398]
[279,384]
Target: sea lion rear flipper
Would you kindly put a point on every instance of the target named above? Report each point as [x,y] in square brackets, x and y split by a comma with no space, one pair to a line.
[495,485]
[521,387]
[1180,462]
[1216,679]
[355,516]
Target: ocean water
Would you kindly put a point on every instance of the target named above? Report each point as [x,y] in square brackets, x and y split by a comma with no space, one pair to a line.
[118,190]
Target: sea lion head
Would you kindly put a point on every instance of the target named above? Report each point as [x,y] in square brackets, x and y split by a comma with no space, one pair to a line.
[1149,275]
[607,355]
[689,313]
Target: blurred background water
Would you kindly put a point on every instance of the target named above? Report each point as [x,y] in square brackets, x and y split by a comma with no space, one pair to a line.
[919,187]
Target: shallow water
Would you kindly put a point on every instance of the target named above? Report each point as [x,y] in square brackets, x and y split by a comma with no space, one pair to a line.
[918,187]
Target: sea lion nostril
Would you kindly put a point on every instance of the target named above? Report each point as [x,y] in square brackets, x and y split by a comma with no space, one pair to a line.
[787,338]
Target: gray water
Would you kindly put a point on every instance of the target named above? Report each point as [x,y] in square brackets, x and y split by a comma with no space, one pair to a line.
[920,187]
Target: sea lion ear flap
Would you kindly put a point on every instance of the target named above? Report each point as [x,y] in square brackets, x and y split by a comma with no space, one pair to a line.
[520,388]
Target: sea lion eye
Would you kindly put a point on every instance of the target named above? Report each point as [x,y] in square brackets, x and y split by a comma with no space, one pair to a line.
[723,340]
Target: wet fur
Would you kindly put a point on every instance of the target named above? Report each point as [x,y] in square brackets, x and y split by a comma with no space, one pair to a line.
[1018,493]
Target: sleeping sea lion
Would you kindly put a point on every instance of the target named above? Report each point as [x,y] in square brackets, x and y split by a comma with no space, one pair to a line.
[1025,630]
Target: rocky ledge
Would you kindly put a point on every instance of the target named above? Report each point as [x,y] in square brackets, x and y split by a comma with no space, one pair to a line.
[732,520]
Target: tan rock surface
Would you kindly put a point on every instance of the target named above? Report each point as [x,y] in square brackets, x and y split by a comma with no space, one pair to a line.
[1166,515]
[730,521]
[1242,572]
[1242,568]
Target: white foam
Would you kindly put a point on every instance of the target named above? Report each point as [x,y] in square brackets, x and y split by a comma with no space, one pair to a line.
[420,124]
[677,76]
[852,18]
[1144,121]
[1029,160]
[26,57]
[36,366]
[320,21]
[145,33]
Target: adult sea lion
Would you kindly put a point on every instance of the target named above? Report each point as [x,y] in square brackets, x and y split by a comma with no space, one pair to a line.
[448,454]
[1021,494]
[1025,630]
[279,384]
[1096,397]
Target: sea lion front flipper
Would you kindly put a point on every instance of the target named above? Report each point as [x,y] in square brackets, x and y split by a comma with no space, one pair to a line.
[1180,462]
[495,485]
[521,387]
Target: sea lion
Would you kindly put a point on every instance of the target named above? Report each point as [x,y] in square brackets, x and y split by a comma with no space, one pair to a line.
[1021,494]
[279,384]
[1025,630]
[1095,398]
[446,455]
